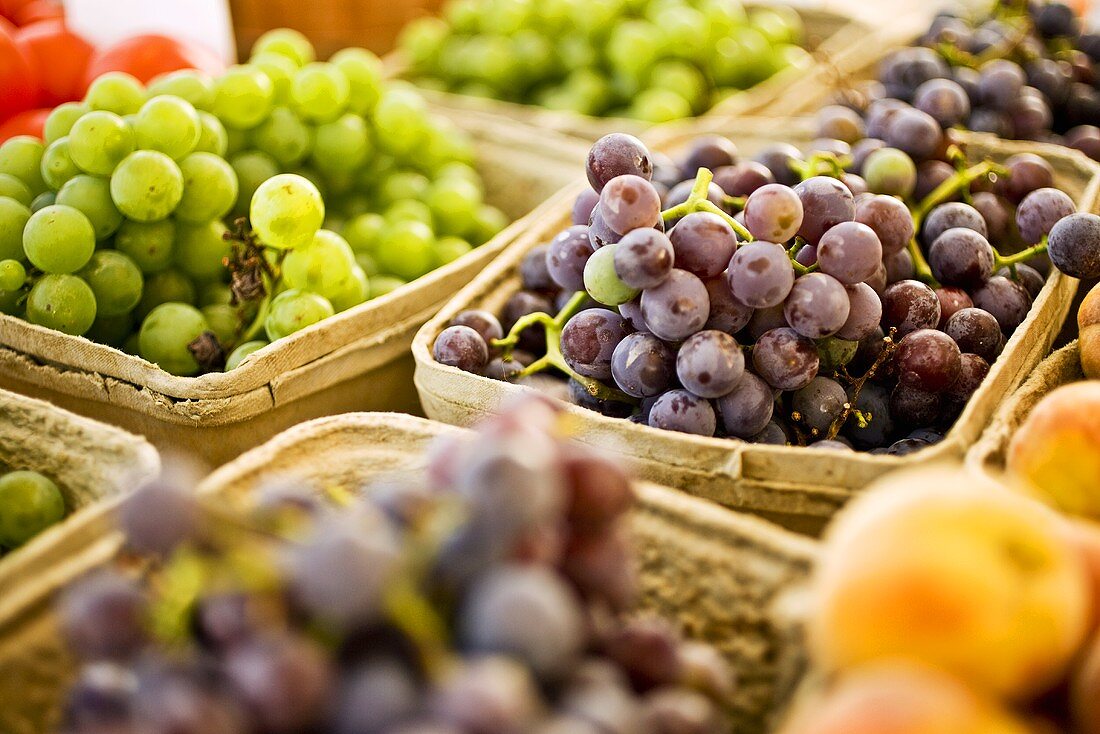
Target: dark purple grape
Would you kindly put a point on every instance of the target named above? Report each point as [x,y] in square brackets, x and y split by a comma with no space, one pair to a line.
[632,312]
[764,320]
[1000,83]
[826,203]
[785,359]
[861,150]
[1075,245]
[681,191]
[864,313]
[589,339]
[1031,115]
[930,174]
[778,159]
[975,331]
[461,347]
[644,257]
[481,321]
[819,404]
[899,267]
[944,100]
[1054,20]
[856,184]
[615,155]
[743,178]
[915,133]
[1040,211]
[986,120]
[567,255]
[677,308]
[600,232]
[874,403]
[629,202]
[158,517]
[829,146]
[103,617]
[726,312]
[910,305]
[679,410]
[840,123]
[952,300]
[889,218]
[880,114]
[995,214]
[869,349]
[910,406]
[643,366]
[1085,138]
[817,306]
[681,710]
[665,170]
[376,698]
[807,256]
[1030,278]
[704,244]
[583,205]
[971,375]
[773,213]
[832,444]
[772,435]
[185,700]
[927,359]
[710,152]
[850,252]
[1007,300]
[907,446]
[100,699]
[533,271]
[520,304]
[1026,173]
[710,363]
[760,274]
[486,694]
[950,216]
[580,396]
[961,257]
[879,280]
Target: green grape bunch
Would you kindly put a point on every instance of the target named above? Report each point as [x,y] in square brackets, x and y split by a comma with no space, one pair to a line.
[194,221]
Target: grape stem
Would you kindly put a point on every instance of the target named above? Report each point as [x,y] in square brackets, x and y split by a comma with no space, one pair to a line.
[735,202]
[922,271]
[959,182]
[697,201]
[890,344]
[1011,261]
[822,164]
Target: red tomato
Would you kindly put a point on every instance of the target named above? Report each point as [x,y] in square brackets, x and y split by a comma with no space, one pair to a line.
[151,55]
[39,10]
[59,58]
[28,122]
[17,86]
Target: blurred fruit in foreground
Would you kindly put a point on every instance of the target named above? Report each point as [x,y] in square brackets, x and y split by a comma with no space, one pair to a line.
[151,55]
[1088,323]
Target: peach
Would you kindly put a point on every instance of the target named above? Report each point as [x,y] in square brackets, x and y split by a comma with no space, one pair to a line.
[1088,323]
[948,568]
[901,699]
[1056,452]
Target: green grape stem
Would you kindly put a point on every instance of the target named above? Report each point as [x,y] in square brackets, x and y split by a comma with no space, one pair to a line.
[1011,261]
[921,269]
[697,201]
[822,164]
[959,182]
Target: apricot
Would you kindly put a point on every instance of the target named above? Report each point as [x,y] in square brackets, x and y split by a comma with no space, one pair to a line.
[950,569]
[1056,452]
[1088,323]
[1084,691]
[902,699]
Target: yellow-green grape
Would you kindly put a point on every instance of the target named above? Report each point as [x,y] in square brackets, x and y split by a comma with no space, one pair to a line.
[14,188]
[381,285]
[168,286]
[111,330]
[59,239]
[294,310]
[280,70]
[243,352]
[169,125]
[166,336]
[421,42]
[660,105]
[319,92]
[213,137]
[43,200]
[341,145]
[62,302]
[57,164]
[362,232]
[488,223]
[149,244]
[777,23]
[21,157]
[116,92]
[215,294]
[449,249]
[29,503]
[12,275]
[356,290]
[200,249]
[406,249]
[367,264]
[287,210]
[400,119]
[61,120]
[187,84]
[14,216]
[222,319]
[409,210]
[147,186]
[284,137]
[209,188]
[288,42]
[324,266]
[454,202]
[12,303]
[252,169]
[243,97]
[401,186]
[91,195]
[115,281]
[99,141]
[237,140]
[364,73]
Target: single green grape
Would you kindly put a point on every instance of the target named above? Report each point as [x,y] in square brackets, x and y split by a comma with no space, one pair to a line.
[13,302]
[200,250]
[411,210]
[682,78]
[280,70]
[92,196]
[454,203]
[190,85]
[14,188]
[319,92]
[252,169]
[342,145]
[421,41]
[737,60]
[890,171]
[400,119]
[243,97]
[294,310]
[449,249]
[660,105]
[287,42]
[209,188]
[148,244]
[602,282]
[777,23]
[57,164]
[286,211]
[456,169]
[168,124]
[488,223]
[111,330]
[61,120]
[367,264]
[166,335]
[59,239]
[147,186]
[21,156]
[167,286]
[365,74]
[116,92]
[99,141]
[381,285]
[14,216]
[356,290]
[223,320]
[237,141]
[62,302]
[29,503]
[12,275]
[213,137]
[243,352]
[116,282]
[444,143]
[362,231]
[215,294]
[406,249]
[403,185]
[43,200]
[284,137]
[323,266]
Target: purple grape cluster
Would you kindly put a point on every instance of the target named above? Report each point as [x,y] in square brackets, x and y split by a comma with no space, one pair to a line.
[1024,71]
[802,301]
[483,595]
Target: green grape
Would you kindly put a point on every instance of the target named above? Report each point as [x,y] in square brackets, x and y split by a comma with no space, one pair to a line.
[323,266]
[21,157]
[64,303]
[294,310]
[445,143]
[243,352]
[406,249]
[147,186]
[492,60]
[409,210]
[222,319]
[243,97]
[209,188]
[634,47]
[463,15]
[148,244]
[29,503]
[367,264]
[14,216]
[61,120]
[213,137]
[287,211]
[169,125]
[287,42]
[724,19]
[14,188]
[362,232]
[188,84]
[57,164]
[789,55]
[200,250]
[43,200]
[116,282]
[682,78]
[116,92]
[166,336]
[400,119]
[381,285]
[660,105]
[284,137]
[99,141]
[488,223]
[236,140]
[464,171]
[421,41]
[12,303]
[92,196]
[575,52]
[356,290]
[534,53]
[364,73]
[315,178]
[12,275]
[168,286]
[402,185]
[741,60]
[350,206]
[342,145]
[132,345]
[59,239]
[319,92]
[252,169]
[454,203]
[215,294]
[602,282]
[111,330]
[778,24]
[338,183]
[280,70]
[890,171]
[449,249]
